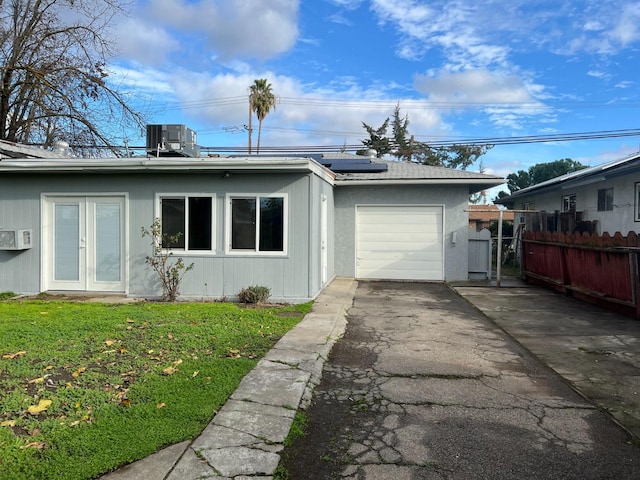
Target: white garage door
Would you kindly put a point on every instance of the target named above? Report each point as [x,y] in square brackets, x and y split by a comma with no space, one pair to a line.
[399,242]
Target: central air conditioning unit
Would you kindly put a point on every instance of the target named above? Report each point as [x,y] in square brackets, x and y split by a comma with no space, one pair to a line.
[171,141]
[15,239]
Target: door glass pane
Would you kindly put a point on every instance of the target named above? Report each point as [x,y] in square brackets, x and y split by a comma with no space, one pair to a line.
[67,243]
[243,224]
[108,248]
[199,223]
[173,222]
[271,224]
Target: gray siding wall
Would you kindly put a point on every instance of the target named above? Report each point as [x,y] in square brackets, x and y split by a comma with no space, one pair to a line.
[292,278]
[20,208]
[454,198]
[620,219]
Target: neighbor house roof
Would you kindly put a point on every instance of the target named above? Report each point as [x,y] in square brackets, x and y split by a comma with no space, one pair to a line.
[582,177]
[17,150]
[488,213]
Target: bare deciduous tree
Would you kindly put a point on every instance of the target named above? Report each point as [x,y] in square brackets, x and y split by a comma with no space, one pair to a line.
[53,74]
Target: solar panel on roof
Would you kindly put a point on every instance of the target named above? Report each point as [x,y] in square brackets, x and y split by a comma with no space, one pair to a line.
[353,165]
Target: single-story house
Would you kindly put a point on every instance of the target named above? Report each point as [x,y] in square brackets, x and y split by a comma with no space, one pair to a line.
[290,223]
[604,198]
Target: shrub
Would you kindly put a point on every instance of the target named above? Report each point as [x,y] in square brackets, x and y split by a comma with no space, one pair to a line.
[254,294]
[7,295]
[170,271]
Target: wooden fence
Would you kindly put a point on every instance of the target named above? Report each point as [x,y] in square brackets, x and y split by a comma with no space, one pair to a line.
[601,269]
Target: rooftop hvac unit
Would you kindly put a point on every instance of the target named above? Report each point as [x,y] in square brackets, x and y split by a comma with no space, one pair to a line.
[171,141]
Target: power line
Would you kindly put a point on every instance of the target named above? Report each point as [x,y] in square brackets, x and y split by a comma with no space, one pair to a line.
[519,140]
[407,104]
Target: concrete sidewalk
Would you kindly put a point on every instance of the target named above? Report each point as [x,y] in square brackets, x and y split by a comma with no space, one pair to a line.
[245,436]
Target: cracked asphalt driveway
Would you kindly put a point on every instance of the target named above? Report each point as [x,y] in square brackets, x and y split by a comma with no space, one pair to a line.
[424,386]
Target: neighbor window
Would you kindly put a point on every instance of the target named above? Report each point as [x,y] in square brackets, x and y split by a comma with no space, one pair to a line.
[569,203]
[189,220]
[605,199]
[529,206]
[637,203]
[258,224]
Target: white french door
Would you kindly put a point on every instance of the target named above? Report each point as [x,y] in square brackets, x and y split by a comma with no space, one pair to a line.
[84,243]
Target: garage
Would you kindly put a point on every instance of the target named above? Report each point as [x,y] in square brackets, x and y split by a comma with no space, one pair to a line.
[399,242]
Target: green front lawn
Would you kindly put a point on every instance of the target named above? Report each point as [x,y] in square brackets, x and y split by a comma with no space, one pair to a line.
[85,387]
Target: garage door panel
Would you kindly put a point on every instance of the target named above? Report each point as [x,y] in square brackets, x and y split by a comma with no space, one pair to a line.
[400,242]
[397,240]
[376,256]
[405,247]
[421,229]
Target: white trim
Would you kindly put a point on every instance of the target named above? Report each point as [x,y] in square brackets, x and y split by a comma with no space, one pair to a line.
[46,230]
[158,214]
[422,181]
[228,225]
[178,165]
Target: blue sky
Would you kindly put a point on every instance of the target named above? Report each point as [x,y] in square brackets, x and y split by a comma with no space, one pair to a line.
[460,69]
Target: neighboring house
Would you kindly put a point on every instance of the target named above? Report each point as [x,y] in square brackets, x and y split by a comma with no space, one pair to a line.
[605,198]
[288,223]
[482,216]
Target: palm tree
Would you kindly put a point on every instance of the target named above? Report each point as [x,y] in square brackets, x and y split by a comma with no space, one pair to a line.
[261,101]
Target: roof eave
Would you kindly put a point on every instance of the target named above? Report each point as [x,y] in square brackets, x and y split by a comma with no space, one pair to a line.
[178,165]
[481,182]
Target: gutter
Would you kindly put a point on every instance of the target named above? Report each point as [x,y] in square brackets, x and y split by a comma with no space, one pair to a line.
[424,181]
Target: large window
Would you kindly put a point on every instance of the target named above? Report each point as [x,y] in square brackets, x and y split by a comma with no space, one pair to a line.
[569,203]
[605,199]
[258,224]
[188,220]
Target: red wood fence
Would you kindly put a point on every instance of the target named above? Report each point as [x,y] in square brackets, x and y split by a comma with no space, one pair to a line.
[601,269]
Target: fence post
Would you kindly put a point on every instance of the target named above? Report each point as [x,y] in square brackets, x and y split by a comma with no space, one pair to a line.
[499,251]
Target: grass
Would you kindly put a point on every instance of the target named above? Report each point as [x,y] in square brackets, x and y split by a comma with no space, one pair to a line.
[298,429]
[86,388]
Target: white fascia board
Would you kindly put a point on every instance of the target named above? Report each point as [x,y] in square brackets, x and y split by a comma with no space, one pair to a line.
[435,181]
[182,164]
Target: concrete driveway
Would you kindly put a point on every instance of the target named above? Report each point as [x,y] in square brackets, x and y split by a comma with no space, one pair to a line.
[596,350]
[425,386]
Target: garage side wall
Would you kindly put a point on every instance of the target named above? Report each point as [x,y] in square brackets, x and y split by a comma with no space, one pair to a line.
[453,198]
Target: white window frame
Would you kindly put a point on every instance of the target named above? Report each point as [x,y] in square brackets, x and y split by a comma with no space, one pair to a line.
[229,224]
[636,203]
[186,196]
[568,199]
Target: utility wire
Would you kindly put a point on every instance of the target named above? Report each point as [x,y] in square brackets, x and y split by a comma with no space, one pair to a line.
[298,149]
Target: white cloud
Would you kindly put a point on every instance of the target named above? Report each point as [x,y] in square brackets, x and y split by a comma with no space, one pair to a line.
[348,4]
[506,99]
[598,74]
[229,28]
[146,44]
[625,84]
[626,29]
[473,87]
